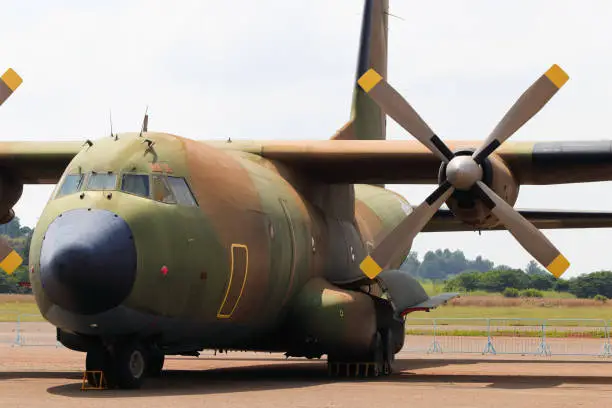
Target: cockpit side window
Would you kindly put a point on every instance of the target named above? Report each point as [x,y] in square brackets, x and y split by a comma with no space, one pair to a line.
[72,183]
[102,181]
[161,190]
[181,191]
[137,184]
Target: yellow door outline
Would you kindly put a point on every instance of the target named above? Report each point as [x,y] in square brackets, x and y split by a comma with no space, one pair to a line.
[231,282]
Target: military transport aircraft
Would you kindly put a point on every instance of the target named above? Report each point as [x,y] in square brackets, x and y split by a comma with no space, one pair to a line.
[153,244]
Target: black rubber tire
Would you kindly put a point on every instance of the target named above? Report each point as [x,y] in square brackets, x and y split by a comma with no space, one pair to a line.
[130,365]
[155,362]
[99,359]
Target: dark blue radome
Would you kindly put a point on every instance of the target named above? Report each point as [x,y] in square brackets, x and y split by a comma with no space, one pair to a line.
[88,261]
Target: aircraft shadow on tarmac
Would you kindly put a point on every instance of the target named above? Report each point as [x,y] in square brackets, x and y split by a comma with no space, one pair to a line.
[290,375]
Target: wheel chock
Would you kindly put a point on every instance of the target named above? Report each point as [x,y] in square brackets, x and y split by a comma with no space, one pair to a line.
[101,383]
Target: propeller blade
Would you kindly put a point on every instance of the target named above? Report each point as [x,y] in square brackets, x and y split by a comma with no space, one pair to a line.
[529,103]
[394,243]
[530,238]
[10,260]
[394,105]
[9,82]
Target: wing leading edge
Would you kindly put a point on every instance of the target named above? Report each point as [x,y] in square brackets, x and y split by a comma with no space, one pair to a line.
[445,221]
[37,162]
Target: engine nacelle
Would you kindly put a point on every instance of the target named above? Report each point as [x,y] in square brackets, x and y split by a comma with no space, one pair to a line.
[469,208]
[11,189]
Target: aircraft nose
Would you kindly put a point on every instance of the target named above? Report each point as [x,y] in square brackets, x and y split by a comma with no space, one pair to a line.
[88,261]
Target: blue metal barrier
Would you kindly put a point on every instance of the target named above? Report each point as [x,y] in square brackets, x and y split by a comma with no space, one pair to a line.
[540,337]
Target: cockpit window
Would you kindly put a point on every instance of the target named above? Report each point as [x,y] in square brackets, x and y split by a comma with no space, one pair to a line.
[161,190]
[102,181]
[137,184]
[72,183]
[181,191]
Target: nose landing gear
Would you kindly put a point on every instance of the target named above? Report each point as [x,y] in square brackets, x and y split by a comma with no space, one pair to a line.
[125,365]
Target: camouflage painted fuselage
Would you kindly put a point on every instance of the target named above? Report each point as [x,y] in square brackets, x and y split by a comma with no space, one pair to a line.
[253,266]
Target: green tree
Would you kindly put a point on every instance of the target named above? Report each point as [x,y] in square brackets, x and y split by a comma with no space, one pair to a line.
[561,285]
[498,280]
[466,281]
[12,229]
[533,268]
[596,283]
[411,263]
[541,282]
[480,264]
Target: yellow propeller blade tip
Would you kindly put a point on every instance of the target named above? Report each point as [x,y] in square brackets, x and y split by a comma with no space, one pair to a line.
[370,268]
[11,79]
[557,76]
[558,266]
[11,262]
[369,80]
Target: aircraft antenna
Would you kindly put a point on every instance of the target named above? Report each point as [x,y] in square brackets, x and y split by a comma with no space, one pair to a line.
[145,122]
[393,15]
[110,118]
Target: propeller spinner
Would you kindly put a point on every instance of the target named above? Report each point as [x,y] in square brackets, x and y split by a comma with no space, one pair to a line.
[463,172]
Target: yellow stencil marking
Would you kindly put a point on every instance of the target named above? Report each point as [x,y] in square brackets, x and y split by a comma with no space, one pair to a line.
[11,262]
[558,266]
[229,285]
[370,268]
[557,76]
[11,79]
[369,80]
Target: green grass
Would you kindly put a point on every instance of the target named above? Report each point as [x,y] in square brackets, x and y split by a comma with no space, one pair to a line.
[10,310]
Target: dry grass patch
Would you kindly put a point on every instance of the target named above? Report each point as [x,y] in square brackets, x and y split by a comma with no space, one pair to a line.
[13,298]
[499,301]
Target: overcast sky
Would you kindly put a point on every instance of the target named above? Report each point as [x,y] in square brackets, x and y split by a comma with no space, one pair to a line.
[285,70]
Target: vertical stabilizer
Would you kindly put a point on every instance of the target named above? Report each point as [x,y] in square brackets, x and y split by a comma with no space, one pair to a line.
[367,121]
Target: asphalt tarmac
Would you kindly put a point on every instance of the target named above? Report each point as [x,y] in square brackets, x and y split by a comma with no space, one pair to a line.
[49,377]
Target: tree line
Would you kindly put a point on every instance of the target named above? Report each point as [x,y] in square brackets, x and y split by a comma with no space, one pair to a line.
[461,274]
[19,238]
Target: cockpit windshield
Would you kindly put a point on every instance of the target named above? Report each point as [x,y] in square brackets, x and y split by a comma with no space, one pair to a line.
[161,190]
[181,191]
[72,183]
[137,184]
[102,181]
[159,187]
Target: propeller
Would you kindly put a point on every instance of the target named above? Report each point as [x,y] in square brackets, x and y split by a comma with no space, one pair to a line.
[10,260]
[463,173]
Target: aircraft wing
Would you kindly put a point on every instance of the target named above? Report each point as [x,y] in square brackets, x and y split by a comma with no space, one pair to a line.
[445,221]
[409,162]
[38,162]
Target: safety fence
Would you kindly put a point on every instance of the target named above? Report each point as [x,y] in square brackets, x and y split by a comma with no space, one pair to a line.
[494,336]
[568,337]
[21,329]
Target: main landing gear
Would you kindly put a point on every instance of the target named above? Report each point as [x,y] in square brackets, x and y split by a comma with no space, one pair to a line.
[124,365]
[376,363]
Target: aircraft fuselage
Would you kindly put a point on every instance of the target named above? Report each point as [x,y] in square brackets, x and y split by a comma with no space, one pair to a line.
[198,245]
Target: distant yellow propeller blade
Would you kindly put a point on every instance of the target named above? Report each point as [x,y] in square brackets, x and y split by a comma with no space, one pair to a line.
[10,260]
[9,82]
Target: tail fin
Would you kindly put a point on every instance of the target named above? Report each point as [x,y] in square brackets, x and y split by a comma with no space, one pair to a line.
[367,121]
